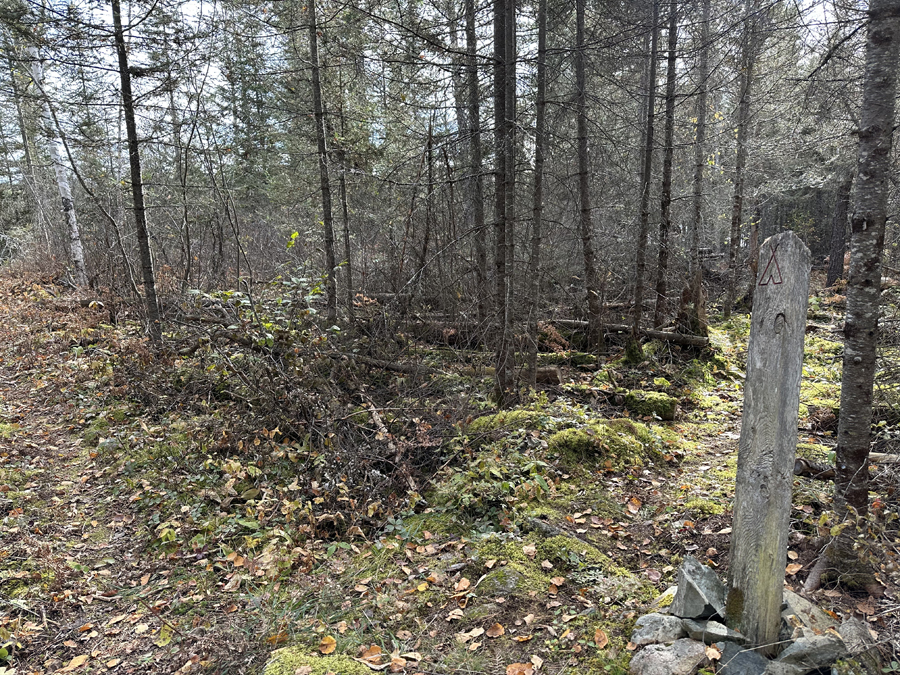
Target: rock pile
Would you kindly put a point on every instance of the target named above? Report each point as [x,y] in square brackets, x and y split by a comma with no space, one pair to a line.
[686,635]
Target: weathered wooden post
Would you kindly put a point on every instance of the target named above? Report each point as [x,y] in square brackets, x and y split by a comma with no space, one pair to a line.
[762,499]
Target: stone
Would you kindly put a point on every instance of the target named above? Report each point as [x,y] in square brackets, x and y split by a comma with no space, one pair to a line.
[812,653]
[652,404]
[711,632]
[738,661]
[663,602]
[657,629]
[860,644]
[679,658]
[779,668]
[501,581]
[807,613]
[700,595]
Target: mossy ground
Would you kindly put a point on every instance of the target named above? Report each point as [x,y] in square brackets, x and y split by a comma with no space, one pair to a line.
[559,520]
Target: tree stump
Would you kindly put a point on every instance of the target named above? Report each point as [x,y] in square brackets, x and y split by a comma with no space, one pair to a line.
[762,500]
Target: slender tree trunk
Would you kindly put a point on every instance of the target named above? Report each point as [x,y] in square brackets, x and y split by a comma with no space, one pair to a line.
[137,183]
[503,379]
[76,250]
[748,58]
[476,192]
[634,350]
[753,257]
[839,231]
[322,149]
[534,264]
[697,310]
[665,221]
[584,189]
[510,149]
[864,282]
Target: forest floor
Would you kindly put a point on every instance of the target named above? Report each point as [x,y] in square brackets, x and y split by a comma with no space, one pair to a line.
[156,517]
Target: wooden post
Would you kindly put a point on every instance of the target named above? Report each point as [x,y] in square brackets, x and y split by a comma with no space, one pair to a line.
[762,498]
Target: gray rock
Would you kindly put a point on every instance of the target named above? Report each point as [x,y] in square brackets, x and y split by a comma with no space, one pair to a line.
[712,631]
[501,581]
[779,668]
[656,629]
[860,644]
[806,612]
[700,594]
[812,653]
[663,602]
[738,661]
[679,658]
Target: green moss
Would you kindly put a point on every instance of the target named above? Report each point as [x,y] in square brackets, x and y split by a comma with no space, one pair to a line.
[661,382]
[8,430]
[623,441]
[651,403]
[517,419]
[95,431]
[569,551]
[286,662]
[704,507]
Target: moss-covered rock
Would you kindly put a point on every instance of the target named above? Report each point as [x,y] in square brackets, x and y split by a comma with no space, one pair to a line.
[286,661]
[651,403]
[508,419]
[500,582]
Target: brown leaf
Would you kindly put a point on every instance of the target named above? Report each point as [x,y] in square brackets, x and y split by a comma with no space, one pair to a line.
[600,639]
[793,568]
[372,654]
[462,584]
[495,631]
[713,653]
[523,638]
[520,669]
[530,550]
[303,670]
[633,505]
[547,565]
[277,639]
[558,581]
[75,663]
[327,645]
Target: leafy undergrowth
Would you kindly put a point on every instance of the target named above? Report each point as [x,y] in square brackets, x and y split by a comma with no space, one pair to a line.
[270,492]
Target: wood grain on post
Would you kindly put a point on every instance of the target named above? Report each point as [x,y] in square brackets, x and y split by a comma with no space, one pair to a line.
[762,499]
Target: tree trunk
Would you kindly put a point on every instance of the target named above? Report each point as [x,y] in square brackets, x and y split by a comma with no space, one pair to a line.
[839,231]
[748,59]
[534,264]
[476,193]
[665,221]
[322,151]
[502,129]
[137,183]
[76,250]
[634,351]
[864,283]
[696,309]
[584,189]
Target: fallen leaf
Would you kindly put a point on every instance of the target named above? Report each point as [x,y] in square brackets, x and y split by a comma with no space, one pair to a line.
[713,653]
[401,634]
[547,565]
[633,505]
[412,656]
[422,587]
[793,555]
[558,581]
[342,628]
[474,646]
[75,663]
[520,669]
[495,631]
[276,639]
[372,654]
[537,661]
[530,550]
[141,628]
[303,670]
[462,584]
[327,645]
[528,619]
[86,627]
[793,568]
[490,563]
[112,663]
[523,638]
[165,635]
[600,639]
[455,614]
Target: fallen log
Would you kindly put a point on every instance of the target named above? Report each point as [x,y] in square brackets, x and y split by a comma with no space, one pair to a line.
[809,469]
[677,338]
[405,368]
